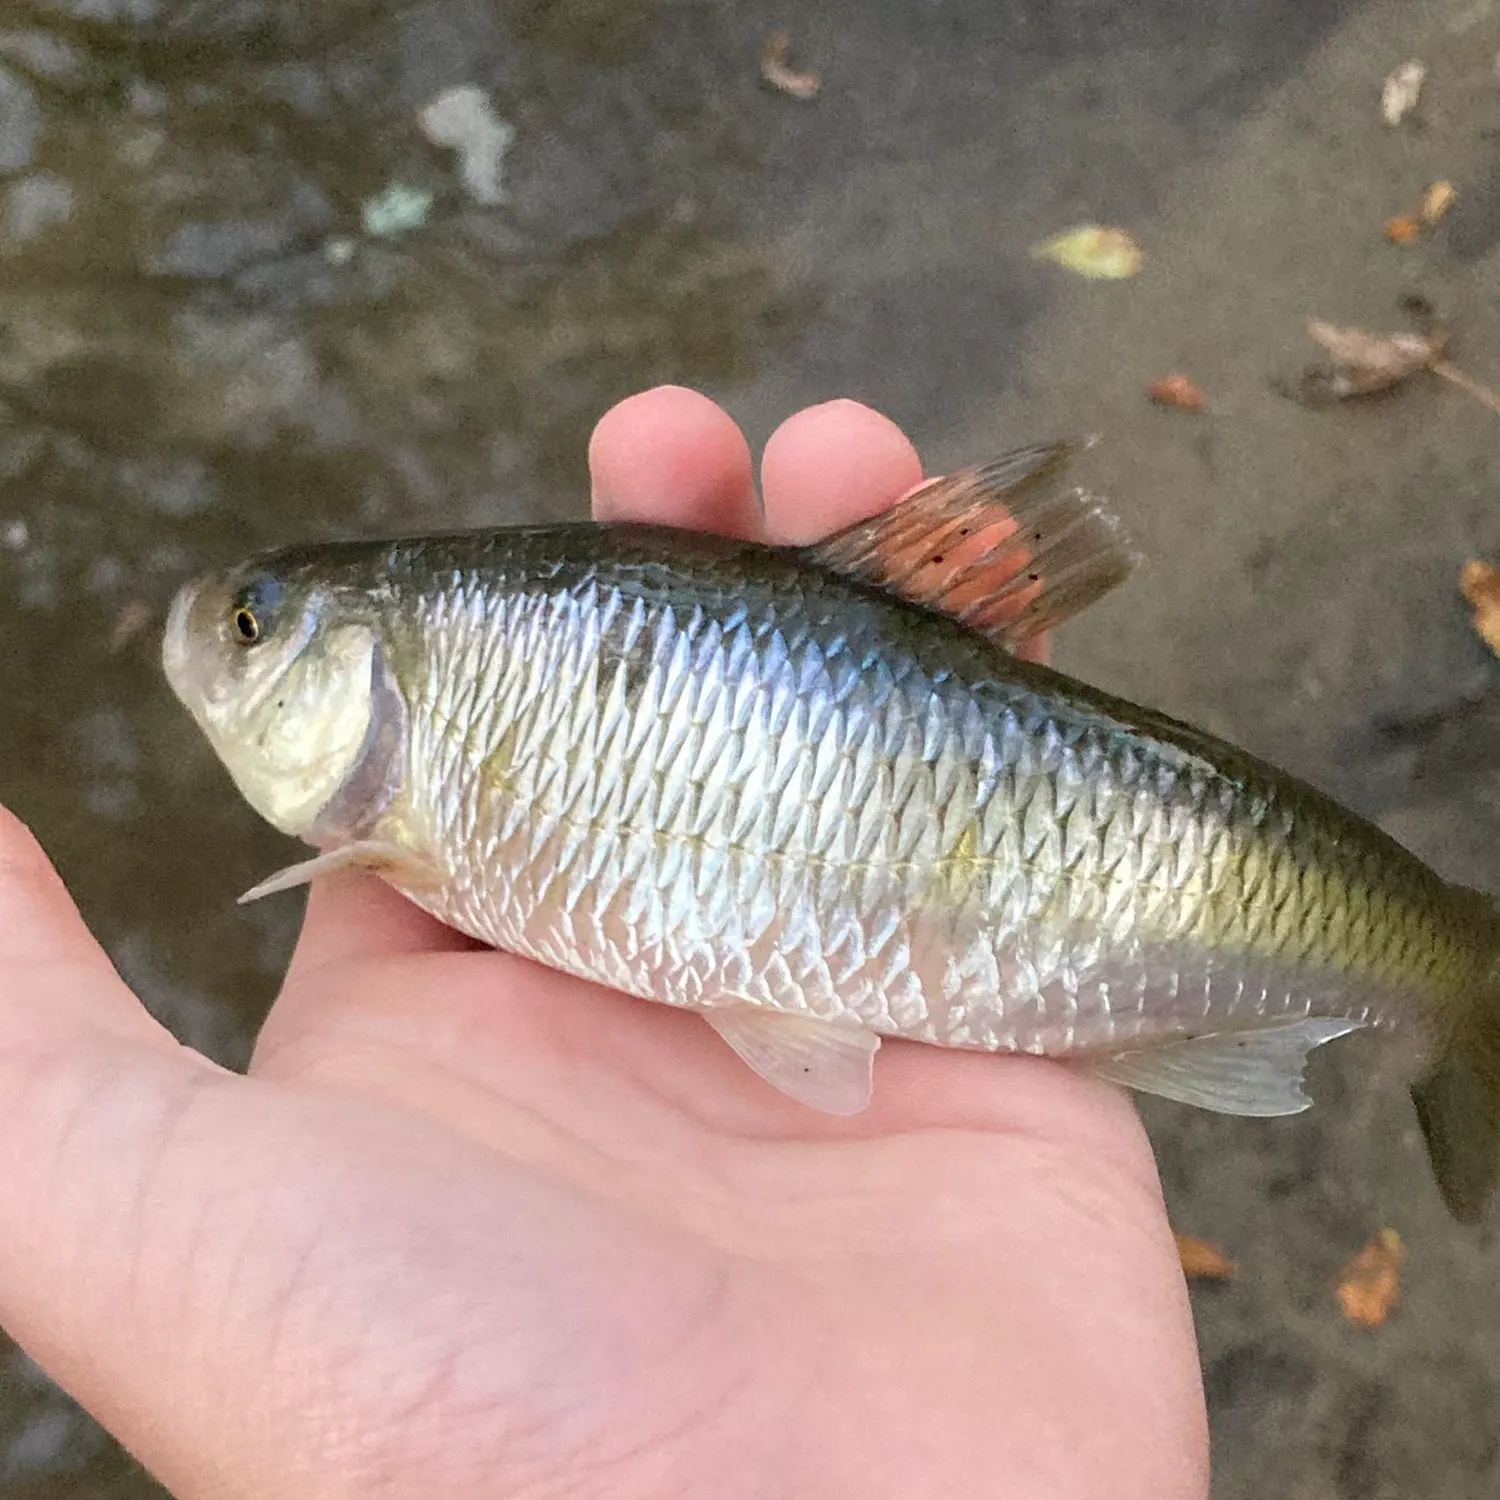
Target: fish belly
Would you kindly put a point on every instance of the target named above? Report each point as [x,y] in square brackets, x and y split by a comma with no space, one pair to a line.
[700,928]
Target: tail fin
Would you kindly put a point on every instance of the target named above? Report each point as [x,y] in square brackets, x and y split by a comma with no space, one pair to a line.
[1458,1105]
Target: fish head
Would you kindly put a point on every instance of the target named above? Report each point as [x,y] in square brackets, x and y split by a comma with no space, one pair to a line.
[285,677]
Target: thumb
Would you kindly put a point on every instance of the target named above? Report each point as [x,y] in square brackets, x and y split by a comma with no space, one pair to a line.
[56,982]
[88,1085]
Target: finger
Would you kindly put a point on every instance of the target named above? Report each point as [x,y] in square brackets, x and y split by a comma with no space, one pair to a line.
[54,978]
[354,920]
[673,457]
[87,1079]
[831,465]
[157,1219]
[355,915]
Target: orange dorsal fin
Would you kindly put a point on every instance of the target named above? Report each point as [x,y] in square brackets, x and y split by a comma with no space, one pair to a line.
[1007,548]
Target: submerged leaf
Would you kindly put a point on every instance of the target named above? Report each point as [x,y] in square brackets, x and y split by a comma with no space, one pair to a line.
[133,618]
[1369,1286]
[1176,390]
[1377,359]
[1436,201]
[1402,229]
[1093,251]
[1202,1261]
[774,68]
[1365,364]
[1401,90]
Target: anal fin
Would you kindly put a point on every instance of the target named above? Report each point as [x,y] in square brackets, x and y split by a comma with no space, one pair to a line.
[1006,548]
[1231,1072]
[825,1066]
[370,854]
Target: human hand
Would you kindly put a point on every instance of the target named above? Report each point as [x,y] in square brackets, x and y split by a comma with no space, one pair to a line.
[473,1228]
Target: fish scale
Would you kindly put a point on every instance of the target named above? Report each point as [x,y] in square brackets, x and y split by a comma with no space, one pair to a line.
[680,735]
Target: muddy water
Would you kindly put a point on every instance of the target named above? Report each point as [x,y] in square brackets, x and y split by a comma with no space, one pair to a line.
[207,345]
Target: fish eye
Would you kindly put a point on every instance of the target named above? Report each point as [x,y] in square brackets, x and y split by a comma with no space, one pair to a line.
[252,611]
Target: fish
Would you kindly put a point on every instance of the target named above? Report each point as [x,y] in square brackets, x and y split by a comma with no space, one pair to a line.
[815,795]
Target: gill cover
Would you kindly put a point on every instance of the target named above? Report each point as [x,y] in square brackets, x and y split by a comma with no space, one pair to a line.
[309,734]
[296,702]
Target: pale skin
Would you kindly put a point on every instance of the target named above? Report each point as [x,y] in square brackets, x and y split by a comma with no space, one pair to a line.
[472,1228]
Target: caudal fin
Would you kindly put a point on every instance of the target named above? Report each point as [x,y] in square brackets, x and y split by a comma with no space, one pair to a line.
[1458,1106]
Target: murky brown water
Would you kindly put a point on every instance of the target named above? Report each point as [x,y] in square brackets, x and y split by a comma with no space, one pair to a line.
[204,350]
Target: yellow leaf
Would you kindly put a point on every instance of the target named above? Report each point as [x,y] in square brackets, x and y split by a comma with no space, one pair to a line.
[1436,201]
[1093,251]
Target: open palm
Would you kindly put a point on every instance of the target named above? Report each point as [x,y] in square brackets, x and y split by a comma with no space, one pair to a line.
[473,1228]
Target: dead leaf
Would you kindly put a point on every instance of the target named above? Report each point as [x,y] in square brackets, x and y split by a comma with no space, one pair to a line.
[133,618]
[1369,1286]
[1480,585]
[774,53]
[1176,390]
[1365,363]
[1402,89]
[1094,251]
[1202,1261]
[1393,357]
[1437,200]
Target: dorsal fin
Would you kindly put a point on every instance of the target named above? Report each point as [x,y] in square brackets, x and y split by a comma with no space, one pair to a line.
[1006,548]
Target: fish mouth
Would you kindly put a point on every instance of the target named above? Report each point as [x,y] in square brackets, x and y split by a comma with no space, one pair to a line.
[175,654]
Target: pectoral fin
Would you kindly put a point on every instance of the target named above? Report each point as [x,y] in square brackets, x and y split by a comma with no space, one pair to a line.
[828,1067]
[369,854]
[1232,1072]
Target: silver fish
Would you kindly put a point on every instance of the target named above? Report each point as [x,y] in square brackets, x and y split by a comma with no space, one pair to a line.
[813,795]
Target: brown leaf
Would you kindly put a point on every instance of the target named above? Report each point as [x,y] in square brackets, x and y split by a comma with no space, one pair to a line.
[1403,229]
[1203,1261]
[774,53]
[1480,585]
[1364,363]
[1369,1286]
[1385,359]
[1176,390]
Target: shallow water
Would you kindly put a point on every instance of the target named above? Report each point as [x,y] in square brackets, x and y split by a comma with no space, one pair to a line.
[203,350]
